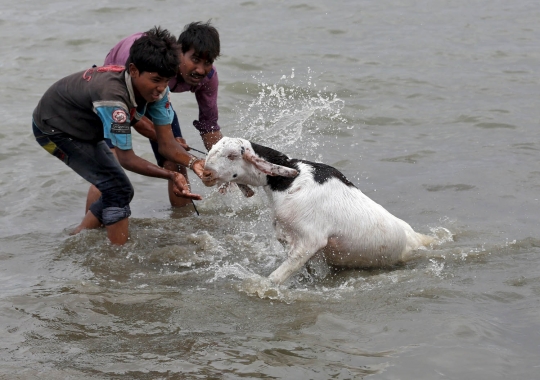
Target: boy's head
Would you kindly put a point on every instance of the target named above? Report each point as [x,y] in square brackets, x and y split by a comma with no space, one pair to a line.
[155,51]
[153,61]
[203,38]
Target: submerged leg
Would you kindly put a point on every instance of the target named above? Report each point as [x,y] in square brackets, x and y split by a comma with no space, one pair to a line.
[299,254]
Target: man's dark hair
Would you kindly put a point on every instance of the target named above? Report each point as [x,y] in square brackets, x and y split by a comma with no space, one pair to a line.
[203,37]
[155,51]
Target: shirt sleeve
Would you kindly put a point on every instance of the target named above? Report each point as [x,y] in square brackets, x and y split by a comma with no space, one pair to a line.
[160,111]
[206,97]
[116,125]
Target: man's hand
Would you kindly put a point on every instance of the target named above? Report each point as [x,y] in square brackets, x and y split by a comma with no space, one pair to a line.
[181,187]
[210,138]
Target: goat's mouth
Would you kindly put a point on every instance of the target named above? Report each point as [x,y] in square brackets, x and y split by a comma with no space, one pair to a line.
[208,177]
[209,182]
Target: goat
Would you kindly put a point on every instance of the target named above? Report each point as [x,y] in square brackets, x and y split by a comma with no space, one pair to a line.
[315,209]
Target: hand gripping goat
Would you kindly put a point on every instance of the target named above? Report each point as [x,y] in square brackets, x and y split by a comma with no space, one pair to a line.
[315,209]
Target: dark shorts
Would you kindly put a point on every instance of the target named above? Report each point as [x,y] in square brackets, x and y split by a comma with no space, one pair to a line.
[175,126]
[95,163]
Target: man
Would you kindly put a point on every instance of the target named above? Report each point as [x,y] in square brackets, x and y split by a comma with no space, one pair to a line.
[78,112]
[199,47]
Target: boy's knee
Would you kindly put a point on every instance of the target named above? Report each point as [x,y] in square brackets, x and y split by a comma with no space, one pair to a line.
[129,192]
[112,215]
[113,205]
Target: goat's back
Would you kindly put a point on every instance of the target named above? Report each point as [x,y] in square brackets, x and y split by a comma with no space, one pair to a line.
[360,232]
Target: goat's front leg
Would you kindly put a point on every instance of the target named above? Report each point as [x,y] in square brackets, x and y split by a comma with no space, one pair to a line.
[299,254]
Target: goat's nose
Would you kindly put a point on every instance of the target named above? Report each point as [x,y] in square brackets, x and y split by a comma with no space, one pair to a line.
[208,178]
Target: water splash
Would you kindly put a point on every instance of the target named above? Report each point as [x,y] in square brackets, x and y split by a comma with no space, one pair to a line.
[227,270]
[290,111]
[436,267]
[442,235]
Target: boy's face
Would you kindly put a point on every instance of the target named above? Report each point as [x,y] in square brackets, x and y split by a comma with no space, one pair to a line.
[147,85]
[193,68]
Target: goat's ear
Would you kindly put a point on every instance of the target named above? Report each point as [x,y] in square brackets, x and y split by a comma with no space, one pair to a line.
[269,168]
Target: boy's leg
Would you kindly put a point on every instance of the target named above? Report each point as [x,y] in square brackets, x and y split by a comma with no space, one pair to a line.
[96,164]
[89,222]
[162,162]
[117,232]
[92,196]
[93,192]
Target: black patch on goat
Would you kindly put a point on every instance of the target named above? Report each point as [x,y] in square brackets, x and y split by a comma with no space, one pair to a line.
[321,172]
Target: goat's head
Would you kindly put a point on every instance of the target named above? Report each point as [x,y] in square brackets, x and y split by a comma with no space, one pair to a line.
[233,160]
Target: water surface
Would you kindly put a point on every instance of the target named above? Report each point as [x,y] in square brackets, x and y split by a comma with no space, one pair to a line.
[430,108]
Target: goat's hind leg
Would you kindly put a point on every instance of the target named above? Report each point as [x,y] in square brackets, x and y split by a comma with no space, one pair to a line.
[299,254]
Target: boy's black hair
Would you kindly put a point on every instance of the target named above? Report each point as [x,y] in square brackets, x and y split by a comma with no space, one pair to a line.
[155,51]
[203,37]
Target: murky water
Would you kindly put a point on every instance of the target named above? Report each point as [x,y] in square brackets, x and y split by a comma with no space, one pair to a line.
[429,107]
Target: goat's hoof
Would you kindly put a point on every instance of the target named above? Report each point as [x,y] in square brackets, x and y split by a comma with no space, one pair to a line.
[261,287]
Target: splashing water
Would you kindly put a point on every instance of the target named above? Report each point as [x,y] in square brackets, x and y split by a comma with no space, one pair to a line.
[290,111]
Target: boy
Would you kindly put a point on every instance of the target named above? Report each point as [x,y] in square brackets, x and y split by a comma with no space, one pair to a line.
[199,46]
[78,112]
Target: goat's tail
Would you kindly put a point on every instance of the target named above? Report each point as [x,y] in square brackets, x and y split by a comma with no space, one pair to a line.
[416,240]
[426,240]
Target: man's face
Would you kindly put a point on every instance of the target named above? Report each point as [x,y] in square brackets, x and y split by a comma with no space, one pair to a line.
[193,68]
[148,85]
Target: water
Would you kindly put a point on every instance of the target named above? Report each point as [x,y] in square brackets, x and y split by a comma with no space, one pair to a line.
[429,107]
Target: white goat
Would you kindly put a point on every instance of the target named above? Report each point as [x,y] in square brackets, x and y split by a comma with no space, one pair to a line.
[315,209]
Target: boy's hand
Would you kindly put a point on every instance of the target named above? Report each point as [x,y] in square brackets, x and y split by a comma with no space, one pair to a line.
[181,187]
[198,167]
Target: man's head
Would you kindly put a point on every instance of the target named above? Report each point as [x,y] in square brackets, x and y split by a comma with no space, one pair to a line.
[199,48]
[153,61]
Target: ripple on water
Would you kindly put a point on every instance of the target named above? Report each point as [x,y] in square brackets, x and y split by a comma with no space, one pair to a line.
[495,126]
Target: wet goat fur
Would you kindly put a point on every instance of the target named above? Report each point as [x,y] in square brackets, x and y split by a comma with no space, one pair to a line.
[321,172]
[320,210]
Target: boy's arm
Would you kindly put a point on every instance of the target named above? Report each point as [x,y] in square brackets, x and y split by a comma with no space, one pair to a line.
[162,116]
[116,127]
[130,161]
[146,128]
[173,151]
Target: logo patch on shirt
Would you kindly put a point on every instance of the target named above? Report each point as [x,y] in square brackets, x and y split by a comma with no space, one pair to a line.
[119,116]
[120,128]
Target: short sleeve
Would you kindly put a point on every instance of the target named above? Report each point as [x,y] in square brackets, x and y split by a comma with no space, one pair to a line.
[160,111]
[116,125]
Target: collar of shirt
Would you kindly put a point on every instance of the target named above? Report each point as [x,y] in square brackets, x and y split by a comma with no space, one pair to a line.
[129,86]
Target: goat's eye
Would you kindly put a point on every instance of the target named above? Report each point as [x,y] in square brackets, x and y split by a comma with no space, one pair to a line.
[232,156]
